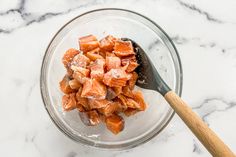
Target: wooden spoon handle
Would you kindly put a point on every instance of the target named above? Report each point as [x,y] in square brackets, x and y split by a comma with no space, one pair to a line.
[208,138]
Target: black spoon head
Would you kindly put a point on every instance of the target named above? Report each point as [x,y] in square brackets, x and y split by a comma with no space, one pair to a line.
[149,77]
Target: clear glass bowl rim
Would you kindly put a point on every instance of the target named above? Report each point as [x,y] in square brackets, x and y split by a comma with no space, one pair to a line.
[64,130]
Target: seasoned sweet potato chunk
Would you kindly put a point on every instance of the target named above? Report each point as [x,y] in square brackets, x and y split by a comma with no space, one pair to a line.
[115,123]
[68,56]
[123,48]
[90,118]
[96,103]
[127,91]
[138,97]
[69,102]
[80,60]
[97,69]
[79,77]
[107,43]
[88,43]
[74,84]
[65,86]
[130,63]
[67,59]
[81,100]
[110,108]
[94,54]
[113,62]
[93,117]
[100,81]
[130,111]
[94,89]
[115,78]
[132,80]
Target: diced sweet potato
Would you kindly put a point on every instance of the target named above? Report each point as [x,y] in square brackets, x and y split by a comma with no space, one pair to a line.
[115,123]
[94,54]
[88,43]
[107,43]
[110,94]
[81,100]
[100,80]
[68,57]
[115,78]
[69,102]
[79,77]
[64,85]
[130,111]
[110,54]
[123,48]
[80,108]
[94,89]
[132,104]
[132,80]
[93,117]
[113,63]
[96,103]
[130,63]
[97,69]
[110,109]
[83,71]
[117,90]
[138,97]
[90,118]
[123,101]
[74,84]
[80,60]
[127,91]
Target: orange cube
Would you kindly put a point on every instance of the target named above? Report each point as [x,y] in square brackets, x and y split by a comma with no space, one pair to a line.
[132,104]
[127,91]
[107,43]
[130,112]
[68,56]
[94,89]
[69,102]
[132,80]
[88,43]
[112,62]
[82,101]
[74,84]
[130,63]
[83,71]
[138,97]
[80,60]
[115,78]
[110,109]
[94,118]
[123,48]
[81,78]
[110,54]
[123,100]
[65,86]
[80,107]
[96,103]
[94,54]
[115,123]
[97,69]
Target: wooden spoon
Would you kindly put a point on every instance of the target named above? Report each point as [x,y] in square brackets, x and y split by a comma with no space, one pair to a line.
[149,78]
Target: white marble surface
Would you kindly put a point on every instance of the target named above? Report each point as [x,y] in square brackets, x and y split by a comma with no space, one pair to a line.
[205,36]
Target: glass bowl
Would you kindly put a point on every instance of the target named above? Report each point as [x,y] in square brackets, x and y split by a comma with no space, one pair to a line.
[121,23]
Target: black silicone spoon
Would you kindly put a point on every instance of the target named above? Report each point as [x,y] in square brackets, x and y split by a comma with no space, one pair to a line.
[149,78]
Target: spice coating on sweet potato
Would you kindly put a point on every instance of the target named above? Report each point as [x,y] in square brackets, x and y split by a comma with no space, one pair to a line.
[100,82]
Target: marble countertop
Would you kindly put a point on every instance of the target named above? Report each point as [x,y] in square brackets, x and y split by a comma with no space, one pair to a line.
[203,32]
